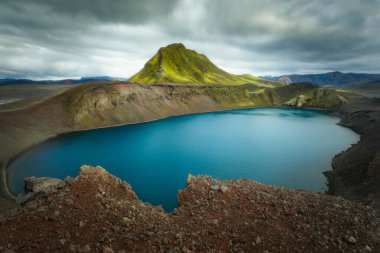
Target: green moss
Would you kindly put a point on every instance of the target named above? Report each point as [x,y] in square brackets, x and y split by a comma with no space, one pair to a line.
[176,64]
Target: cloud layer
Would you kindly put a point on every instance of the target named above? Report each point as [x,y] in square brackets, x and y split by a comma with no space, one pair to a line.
[57,39]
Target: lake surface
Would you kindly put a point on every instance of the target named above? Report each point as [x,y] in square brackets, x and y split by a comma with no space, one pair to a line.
[279,146]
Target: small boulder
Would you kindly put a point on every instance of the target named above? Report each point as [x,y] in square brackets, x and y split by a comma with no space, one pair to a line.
[258,240]
[34,186]
[214,187]
[69,180]
[189,179]
[351,240]
[86,248]
[224,189]
[42,184]
[126,220]
[73,247]
[69,202]
[107,250]
[214,181]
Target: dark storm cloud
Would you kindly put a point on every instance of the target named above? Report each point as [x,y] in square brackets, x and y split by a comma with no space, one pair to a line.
[321,29]
[52,38]
[47,38]
[119,11]
[56,20]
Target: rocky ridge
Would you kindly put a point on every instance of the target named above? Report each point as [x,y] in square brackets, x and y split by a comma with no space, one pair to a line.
[97,212]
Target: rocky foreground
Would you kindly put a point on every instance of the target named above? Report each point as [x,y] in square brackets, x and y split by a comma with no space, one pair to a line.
[97,212]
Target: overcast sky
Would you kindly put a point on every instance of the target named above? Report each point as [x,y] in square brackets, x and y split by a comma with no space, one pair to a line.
[43,39]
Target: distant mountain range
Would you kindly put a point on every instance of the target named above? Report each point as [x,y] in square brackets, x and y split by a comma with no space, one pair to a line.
[90,79]
[177,64]
[335,78]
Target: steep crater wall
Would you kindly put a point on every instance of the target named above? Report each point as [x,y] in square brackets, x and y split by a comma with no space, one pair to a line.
[93,106]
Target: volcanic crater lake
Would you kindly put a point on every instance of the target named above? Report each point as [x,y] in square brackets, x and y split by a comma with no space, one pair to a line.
[279,146]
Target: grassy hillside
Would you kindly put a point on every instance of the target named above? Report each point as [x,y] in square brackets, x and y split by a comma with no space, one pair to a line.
[176,64]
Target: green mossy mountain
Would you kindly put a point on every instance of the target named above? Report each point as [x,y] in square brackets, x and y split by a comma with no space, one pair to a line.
[177,64]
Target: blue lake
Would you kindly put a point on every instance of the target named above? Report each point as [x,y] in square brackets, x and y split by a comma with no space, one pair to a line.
[279,146]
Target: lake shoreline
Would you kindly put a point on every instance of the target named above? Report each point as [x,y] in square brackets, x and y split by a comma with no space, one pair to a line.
[5,163]
[356,171]
[67,128]
[232,144]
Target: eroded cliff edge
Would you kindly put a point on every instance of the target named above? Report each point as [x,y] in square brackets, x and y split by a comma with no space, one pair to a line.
[97,212]
[356,171]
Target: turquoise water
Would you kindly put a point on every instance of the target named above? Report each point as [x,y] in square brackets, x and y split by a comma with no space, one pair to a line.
[286,147]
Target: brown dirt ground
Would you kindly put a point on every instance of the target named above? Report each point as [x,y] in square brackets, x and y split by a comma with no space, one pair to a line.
[98,212]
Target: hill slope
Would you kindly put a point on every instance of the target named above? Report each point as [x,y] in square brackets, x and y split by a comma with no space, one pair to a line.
[176,64]
[331,78]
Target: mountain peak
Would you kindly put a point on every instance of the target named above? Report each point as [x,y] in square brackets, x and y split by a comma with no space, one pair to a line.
[174,46]
[177,64]
[335,72]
